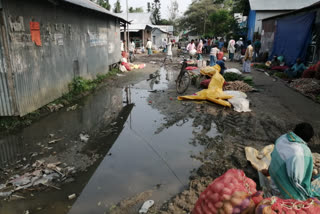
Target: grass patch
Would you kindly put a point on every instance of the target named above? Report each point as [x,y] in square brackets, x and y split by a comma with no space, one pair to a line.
[281,75]
[78,88]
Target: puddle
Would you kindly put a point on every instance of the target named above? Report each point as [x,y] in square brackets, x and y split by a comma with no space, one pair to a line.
[135,159]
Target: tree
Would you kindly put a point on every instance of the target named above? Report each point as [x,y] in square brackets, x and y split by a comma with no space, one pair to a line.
[117,7]
[149,7]
[196,18]
[103,3]
[241,6]
[136,10]
[173,10]
[222,22]
[156,15]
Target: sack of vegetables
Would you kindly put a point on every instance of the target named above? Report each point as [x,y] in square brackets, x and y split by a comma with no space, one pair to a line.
[289,206]
[232,193]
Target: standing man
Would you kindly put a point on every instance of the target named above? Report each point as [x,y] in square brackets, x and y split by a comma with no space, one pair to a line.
[169,52]
[221,44]
[164,45]
[231,49]
[238,46]
[122,45]
[132,48]
[257,47]
[149,46]
[191,48]
[213,55]
[199,50]
[248,58]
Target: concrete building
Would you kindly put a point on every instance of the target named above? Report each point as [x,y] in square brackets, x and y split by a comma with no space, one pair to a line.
[45,44]
[140,28]
[262,9]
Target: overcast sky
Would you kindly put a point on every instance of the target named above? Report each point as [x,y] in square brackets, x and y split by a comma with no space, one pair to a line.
[183,5]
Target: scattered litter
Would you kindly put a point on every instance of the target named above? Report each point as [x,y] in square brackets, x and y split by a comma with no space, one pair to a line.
[73,196]
[84,138]
[114,123]
[55,141]
[146,206]
[239,101]
[54,107]
[153,62]
[34,154]
[51,135]
[121,75]
[5,194]
[267,74]
[72,108]
[26,212]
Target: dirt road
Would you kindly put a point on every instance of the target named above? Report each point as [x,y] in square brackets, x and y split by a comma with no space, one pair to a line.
[145,144]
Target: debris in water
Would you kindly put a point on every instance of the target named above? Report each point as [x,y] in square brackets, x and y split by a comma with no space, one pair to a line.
[55,141]
[72,108]
[73,196]
[121,75]
[146,206]
[84,138]
[54,107]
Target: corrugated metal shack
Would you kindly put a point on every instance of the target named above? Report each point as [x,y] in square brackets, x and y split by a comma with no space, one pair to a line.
[269,26]
[46,43]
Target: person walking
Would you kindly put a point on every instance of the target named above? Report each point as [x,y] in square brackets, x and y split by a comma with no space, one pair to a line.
[132,49]
[221,44]
[238,47]
[248,58]
[169,52]
[164,45]
[213,55]
[149,46]
[191,48]
[231,49]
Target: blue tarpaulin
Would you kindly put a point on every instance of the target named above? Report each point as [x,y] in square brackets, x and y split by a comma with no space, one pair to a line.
[293,35]
[251,24]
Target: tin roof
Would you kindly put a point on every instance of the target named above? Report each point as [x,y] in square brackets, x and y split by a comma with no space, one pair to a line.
[93,6]
[280,4]
[139,21]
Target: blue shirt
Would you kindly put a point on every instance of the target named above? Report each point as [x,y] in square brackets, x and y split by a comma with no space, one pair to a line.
[222,65]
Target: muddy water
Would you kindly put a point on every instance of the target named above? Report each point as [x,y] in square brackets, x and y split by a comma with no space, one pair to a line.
[135,159]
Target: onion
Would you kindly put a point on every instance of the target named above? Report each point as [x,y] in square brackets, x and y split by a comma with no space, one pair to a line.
[227,207]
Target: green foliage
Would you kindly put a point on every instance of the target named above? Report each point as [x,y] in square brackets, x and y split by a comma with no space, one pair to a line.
[156,15]
[103,3]
[241,6]
[222,22]
[117,7]
[261,66]
[248,80]
[318,98]
[136,10]
[229,77]
[281,75]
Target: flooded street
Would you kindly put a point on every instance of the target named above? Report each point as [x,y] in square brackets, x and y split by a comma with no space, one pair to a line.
[134,157]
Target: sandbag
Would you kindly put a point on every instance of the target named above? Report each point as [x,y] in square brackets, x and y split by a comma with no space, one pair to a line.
[127,66]
[232,193]
[122,68]
[210,70]
[193,52]
[233,70]
[239,101]
[288,206]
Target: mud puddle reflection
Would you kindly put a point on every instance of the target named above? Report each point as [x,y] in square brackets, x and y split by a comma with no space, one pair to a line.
[135,159]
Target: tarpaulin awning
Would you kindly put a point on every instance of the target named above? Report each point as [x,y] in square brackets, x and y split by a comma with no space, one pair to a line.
[293,35]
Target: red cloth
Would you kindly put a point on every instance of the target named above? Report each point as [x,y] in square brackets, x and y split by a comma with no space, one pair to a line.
[280,68]
[127,66]
[205,83]
[220,55]
[190,68]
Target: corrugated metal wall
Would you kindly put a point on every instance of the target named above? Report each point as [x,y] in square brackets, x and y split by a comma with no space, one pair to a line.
[6,108]
[268,32]
[75,42]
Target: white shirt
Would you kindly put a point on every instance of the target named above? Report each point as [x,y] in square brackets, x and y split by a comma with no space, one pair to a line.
[214,51]
[122,46]
[149,44]
[191,47]
[132,46]
[169,49]
[231,47]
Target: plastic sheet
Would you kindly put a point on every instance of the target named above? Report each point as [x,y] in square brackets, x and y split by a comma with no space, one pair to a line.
[214,93]
[210,70]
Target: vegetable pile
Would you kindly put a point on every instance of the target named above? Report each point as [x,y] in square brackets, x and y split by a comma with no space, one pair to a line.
[307,86]
[237,86]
